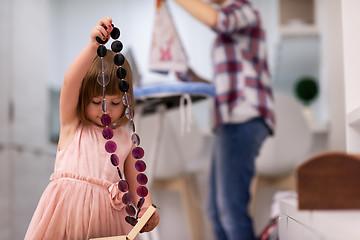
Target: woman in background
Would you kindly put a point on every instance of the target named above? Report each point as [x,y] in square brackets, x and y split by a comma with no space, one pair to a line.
[243,109]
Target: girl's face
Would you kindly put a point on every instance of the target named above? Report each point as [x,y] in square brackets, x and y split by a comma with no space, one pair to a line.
[115,108]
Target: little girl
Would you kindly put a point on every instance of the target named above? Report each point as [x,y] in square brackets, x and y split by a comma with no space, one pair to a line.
[83,200]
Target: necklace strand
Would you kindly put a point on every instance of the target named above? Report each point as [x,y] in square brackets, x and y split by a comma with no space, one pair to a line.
[108,133]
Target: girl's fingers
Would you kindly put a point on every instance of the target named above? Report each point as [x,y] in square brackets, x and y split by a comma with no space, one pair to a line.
[106,23]
[104,32]
[152,223]
[102,29]
[100,32]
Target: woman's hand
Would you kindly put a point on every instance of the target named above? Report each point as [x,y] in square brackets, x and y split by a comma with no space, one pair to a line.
[152,223]
[190,76]
[101,30]
[187,76]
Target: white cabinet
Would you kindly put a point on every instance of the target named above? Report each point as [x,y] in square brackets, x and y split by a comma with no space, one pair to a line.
[317,225]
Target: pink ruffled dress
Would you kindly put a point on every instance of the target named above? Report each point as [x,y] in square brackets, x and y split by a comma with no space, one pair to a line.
[82,201]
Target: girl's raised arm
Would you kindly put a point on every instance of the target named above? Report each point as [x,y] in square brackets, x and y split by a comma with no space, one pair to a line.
[74,76]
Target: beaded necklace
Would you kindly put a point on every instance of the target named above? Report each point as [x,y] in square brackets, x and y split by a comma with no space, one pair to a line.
[110,146]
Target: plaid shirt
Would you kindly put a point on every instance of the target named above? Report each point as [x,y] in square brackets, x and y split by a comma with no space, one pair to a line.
[242,78]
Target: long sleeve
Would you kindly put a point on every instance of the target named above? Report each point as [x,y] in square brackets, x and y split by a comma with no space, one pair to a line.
[236,16]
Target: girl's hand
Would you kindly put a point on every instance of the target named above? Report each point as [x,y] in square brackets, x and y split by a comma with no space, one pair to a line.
[100,31]
[152,223]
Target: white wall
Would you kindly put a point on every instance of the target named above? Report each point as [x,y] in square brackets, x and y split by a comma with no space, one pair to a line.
[24,159]
[135,20]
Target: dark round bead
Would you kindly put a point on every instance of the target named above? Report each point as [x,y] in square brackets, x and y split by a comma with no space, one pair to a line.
[142,179]
[130,209]
[121,72]
[131,220]
[119,59]
[142,191]
[140,202]
[99,40]
[140,166]
[127,198]
[124,86]
[110,146]
[114,160]
[107,133]
[123,186]
[101,51]
[115,33]
[105,120]
[138,152]
[116,46]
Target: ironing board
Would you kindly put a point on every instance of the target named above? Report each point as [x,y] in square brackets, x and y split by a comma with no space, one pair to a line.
[169,94]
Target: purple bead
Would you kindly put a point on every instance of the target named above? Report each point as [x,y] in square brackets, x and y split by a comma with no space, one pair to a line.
[129,113]
[142,179]
[107,133]
[138,152]
[135,139]
[114,159]
[123,186]
[140,202]
[110,146]
[131,220]
[130,209]
[105,120]
[140,166]
[127,199]
[142,191]
[127,99]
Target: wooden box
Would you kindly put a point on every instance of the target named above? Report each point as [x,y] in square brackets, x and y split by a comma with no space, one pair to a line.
[329,181]
[136,229]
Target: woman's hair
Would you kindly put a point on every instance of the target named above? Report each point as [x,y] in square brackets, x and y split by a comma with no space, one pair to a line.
[90,88]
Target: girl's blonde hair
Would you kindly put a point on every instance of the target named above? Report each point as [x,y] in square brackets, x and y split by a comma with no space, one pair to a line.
[90,88]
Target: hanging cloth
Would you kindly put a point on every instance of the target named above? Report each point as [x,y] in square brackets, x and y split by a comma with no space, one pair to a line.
[166,53]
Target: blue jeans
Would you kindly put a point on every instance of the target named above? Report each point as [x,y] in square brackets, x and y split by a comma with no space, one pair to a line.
[233,165]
